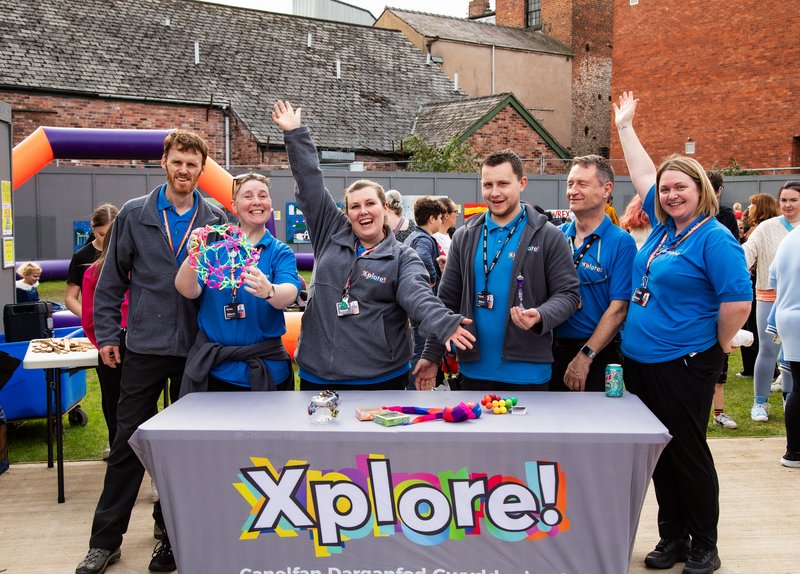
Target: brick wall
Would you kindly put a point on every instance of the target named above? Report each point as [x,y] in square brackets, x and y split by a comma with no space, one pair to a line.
[592,34]
[729,80]
[586,26]
[510,13]
[508,130]
[31,110]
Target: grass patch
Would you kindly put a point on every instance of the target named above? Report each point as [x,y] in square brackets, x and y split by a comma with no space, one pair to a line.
[27,442]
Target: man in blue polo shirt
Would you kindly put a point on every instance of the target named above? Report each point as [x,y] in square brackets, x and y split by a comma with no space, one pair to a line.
[602,254]
[510,271]
[147,245]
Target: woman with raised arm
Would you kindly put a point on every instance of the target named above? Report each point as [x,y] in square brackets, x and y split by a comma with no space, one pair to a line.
[355,332]
[691,294]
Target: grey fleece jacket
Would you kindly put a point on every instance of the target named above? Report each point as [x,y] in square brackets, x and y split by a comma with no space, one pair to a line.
[551,286]
[139,259]
[390,284]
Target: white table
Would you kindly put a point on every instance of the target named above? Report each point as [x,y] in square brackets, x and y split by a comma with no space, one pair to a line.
[54,364]
[587,459]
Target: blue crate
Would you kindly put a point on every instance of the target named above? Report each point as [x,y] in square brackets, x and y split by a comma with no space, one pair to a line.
[23,396]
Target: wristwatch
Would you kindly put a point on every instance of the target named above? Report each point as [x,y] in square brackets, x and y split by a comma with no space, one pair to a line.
[587,350]
[271,293]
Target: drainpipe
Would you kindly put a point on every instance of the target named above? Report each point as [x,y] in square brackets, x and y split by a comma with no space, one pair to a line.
[492,69]
[227,114]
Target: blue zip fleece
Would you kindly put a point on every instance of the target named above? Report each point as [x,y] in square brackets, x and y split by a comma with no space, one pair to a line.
[139,259]
[390,284]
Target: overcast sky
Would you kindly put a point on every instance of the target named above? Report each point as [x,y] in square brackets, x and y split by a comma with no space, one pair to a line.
[445,7]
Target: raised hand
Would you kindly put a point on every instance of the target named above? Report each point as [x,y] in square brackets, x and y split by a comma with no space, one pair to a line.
[625,111]
[285,116]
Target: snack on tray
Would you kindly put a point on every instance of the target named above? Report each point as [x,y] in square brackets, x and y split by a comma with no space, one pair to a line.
[60,346]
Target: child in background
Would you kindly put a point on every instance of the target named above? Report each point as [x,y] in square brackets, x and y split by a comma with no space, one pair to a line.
[28,286]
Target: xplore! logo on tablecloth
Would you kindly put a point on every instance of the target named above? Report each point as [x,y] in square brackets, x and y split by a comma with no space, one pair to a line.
[370,499]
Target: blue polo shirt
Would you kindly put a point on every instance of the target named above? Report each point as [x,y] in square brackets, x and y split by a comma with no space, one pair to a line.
[178,225]
[604,272]
[261,321]
[490,324]
[688,283]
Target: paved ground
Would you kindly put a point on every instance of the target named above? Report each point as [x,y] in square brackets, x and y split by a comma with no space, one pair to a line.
[759,522]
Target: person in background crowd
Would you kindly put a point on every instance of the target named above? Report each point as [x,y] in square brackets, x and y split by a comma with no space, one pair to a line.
[636,222]
[428,217]
[100,221]
[447,225]
[691,294]
[784,277]
[27,286]
[760,248]
[400,225]
[107,377]
[603,255]
[610,211]
[727,218]
[148,244]
[737,210]
[506,263]
[238,346]
[355,332]
[761,206]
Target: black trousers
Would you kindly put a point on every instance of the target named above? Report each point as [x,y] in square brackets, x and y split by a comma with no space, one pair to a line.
[109,380]
[792,412]
[143,379]
[679,393]
[564,350]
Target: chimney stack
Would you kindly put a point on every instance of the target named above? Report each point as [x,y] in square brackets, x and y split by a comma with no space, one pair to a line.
[478,8]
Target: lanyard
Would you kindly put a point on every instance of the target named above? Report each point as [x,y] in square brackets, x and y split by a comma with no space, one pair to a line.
[399,225]
[661,248]
[348,283]
[486,267]
[586,246]
[185,235]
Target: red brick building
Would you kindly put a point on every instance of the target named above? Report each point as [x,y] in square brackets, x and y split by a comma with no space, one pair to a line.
[586,26]
[721,76]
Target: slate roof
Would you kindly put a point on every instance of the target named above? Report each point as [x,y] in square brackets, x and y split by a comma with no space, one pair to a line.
[439,122]
[474,32]
[122,48]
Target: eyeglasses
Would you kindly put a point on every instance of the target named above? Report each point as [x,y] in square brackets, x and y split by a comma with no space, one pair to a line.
[242,178]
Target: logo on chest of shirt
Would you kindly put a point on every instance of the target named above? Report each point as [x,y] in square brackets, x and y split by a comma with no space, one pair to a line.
[367,274]
[589,266]
[534,248]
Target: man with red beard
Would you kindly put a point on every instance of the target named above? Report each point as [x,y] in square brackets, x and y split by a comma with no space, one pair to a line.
[147,246]
[511,272]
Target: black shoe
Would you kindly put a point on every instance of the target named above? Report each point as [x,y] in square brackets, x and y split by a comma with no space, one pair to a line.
[702,561]
[97,560]
[163,560]
[158,532]
[668,551]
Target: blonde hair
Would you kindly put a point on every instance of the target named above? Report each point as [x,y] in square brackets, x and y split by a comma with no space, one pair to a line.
[28,268]
[708,204]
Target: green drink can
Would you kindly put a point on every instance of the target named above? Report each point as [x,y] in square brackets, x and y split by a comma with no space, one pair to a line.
[614,380]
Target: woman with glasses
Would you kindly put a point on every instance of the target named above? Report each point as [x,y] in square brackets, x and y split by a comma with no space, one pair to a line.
[355,332]
[760,249]
[239,346]
[691,294]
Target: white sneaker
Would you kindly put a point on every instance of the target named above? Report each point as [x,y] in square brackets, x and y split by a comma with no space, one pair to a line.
[777,384]
[760,412]
[724,421]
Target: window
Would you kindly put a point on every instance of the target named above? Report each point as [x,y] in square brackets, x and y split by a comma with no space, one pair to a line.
[533,10]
